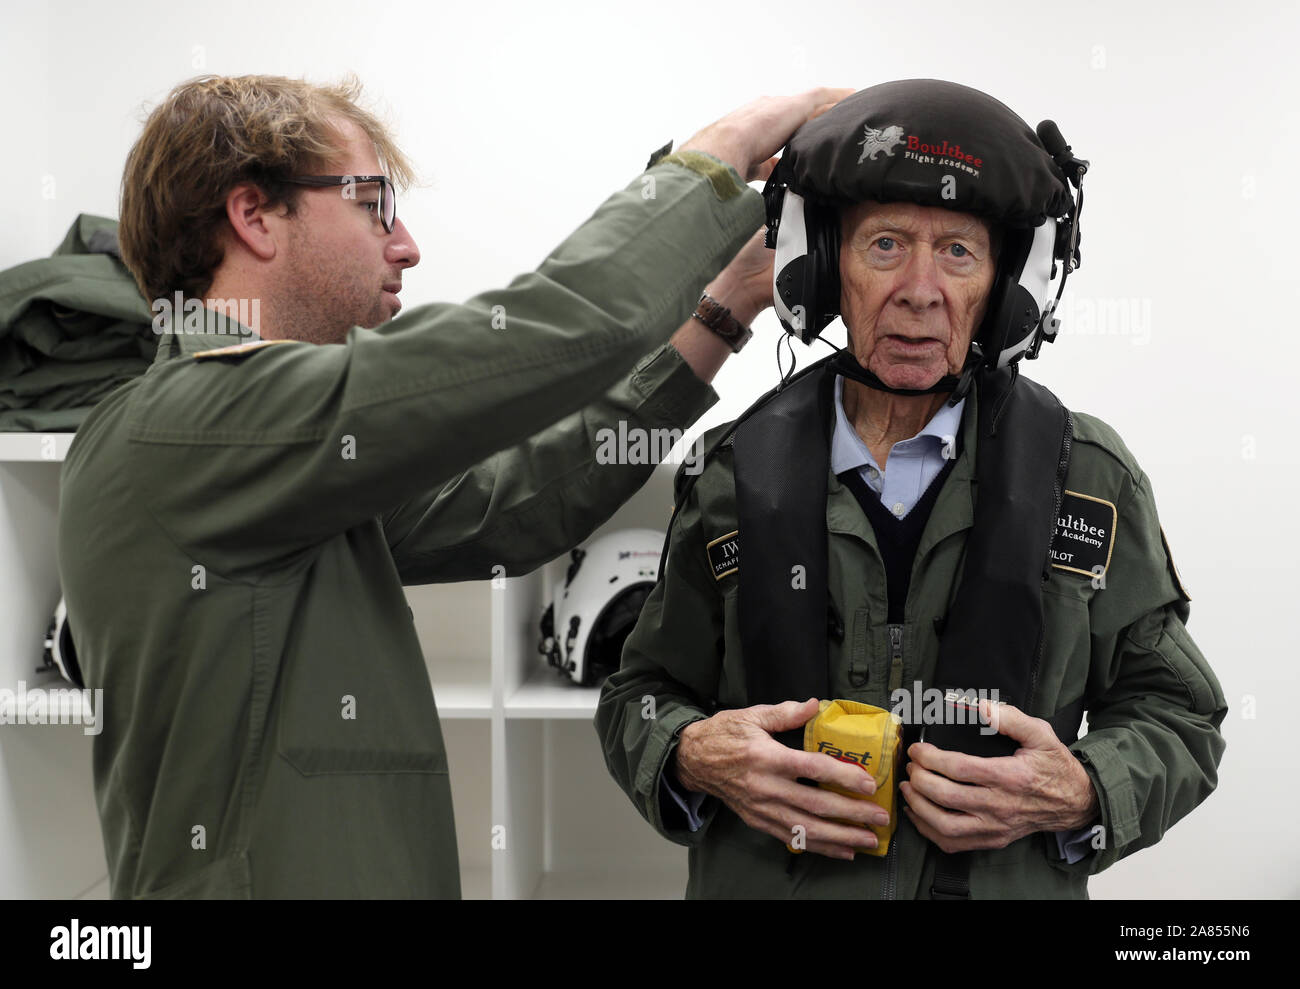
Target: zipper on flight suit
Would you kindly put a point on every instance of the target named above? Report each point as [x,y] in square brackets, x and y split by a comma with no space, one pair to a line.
[895,657]
[891,865]
[895,681]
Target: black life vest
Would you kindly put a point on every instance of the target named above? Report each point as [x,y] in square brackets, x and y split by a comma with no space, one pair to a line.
[993,635]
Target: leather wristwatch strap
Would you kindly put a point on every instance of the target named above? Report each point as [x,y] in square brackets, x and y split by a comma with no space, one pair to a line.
[718,318]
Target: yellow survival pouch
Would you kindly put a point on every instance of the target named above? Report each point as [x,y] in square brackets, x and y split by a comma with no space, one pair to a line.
[868,737]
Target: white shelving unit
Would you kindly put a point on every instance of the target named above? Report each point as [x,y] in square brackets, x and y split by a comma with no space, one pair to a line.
[537,815]
[570,831]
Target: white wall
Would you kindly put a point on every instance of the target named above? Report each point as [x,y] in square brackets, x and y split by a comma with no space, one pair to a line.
[523,116]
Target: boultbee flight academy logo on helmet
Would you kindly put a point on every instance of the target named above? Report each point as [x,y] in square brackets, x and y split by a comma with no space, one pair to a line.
[937,152]
[875,141]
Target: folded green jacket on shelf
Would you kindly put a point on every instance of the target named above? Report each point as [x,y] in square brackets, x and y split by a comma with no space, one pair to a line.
[73,327]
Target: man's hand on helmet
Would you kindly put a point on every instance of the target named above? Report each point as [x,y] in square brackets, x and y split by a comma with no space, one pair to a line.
[748,138]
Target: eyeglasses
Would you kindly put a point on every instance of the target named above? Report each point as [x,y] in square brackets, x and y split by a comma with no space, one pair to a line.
[387,192]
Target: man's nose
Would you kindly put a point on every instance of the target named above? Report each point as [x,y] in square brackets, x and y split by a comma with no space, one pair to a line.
[920,281]
[400,249]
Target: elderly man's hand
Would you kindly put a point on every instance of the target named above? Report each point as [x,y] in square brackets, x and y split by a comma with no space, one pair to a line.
[733,756]
[962,802]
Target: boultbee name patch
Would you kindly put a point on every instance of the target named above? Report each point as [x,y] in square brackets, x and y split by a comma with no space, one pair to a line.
[1085,534]
[724,554]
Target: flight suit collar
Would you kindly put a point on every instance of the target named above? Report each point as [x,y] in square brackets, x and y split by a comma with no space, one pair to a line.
[218,331]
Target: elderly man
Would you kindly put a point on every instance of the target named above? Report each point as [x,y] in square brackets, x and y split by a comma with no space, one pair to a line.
[915,520]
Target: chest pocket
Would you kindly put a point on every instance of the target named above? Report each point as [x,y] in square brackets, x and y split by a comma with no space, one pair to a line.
[361,731]
[1067,644]
[353,694]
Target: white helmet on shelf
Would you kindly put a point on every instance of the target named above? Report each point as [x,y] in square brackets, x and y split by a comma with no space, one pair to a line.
[598,603]
[59,651]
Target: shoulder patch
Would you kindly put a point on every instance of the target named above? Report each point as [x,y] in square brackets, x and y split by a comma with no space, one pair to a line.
[238,349]
[724,554]
[1085,534]
[719,174]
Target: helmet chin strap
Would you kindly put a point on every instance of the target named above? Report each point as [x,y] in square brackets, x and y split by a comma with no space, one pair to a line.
[847,365]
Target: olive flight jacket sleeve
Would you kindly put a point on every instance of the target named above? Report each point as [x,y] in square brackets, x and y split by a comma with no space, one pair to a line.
[289,445]
[526,505]
[671,665]
[1155,706]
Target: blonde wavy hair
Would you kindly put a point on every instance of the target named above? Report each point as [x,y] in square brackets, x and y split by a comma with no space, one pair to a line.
[212,133]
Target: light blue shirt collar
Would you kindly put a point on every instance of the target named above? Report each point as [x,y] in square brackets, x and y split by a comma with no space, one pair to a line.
[848,451]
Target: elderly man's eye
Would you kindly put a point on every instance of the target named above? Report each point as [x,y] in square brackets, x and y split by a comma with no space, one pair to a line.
[885,243]
[960,251]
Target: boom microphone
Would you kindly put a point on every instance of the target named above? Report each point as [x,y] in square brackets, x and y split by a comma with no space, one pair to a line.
[1055,144]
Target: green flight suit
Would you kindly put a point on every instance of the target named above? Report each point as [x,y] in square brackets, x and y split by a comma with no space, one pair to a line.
[235,529]
[1154,705]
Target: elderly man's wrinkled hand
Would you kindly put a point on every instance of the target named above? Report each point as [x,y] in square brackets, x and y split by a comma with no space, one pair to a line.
[962,802]
[733,756]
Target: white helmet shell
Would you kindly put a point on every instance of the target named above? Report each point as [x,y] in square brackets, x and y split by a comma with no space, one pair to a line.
[59,650]
[597,603]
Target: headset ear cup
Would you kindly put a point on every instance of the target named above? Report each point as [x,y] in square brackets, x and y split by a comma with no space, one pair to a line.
[994,330]
[823,272]
[828,279]
[993,333]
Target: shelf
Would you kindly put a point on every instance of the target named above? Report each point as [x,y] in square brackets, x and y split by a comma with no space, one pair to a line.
[49,447]
[463,700]
[547,694]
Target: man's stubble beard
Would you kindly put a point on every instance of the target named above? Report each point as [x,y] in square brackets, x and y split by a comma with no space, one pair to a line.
[318,308]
